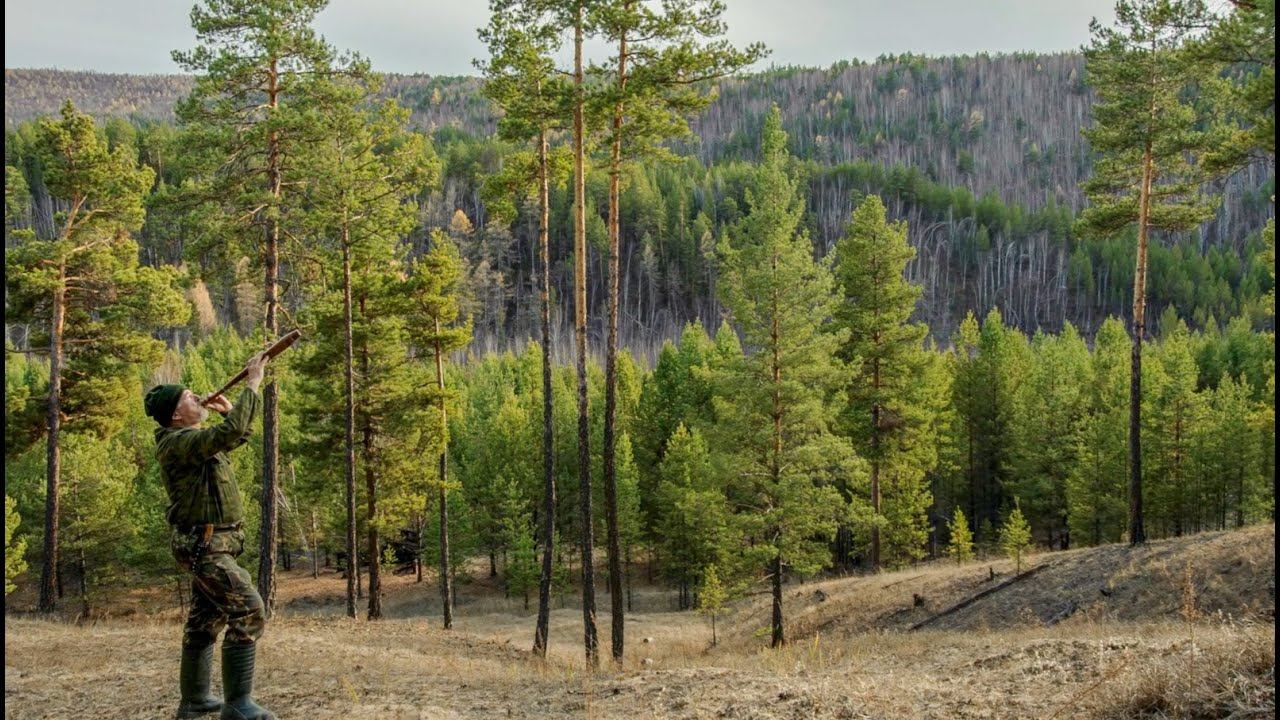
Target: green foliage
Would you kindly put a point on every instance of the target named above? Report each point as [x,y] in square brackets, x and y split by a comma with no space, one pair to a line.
[630,518]
[1229,476]
[26,382]
[885,417]
[773,407]
[1015,536]
[14,548]
[990,365]
[521,569]
[1242,46]
[695,529]
[673,51]
[961,545]
[90,270]
[245,162]
[712,595]
[1141,69]
[1172,414]
[97,489]
[1096,491]
[676,393]
[1050,412]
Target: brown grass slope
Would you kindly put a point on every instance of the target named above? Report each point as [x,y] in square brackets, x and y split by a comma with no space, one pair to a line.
[1231,574]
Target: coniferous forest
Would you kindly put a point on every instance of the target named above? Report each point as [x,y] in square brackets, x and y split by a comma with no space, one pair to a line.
[649,323]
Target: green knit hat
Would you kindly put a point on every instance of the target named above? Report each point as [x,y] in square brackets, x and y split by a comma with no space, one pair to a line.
[161,401]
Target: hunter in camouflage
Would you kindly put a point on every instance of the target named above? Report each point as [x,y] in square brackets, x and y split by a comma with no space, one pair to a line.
[206,513]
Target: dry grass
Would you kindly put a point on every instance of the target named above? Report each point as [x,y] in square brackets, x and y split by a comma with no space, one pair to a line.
[1230,677]
[339,668]
[1206,649]
[1233,575]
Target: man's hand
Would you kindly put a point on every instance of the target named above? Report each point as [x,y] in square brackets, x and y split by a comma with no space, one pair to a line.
[256,366]
[219,403]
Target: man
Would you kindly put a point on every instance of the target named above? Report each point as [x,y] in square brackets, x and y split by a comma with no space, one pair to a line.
[206,513]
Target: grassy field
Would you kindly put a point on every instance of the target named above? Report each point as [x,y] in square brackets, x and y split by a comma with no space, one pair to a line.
[1185,628]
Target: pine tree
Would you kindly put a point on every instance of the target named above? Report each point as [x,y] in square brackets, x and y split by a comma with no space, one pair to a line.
[934,394]
[1095,491]
[966,384]
[1049,416]
[259,102]
[1229,474]
[432,293]
[371,419]
[630,519]
[1173,413]
[91,303]
[1243,43]
[522,565]
[575,15]
[712,595]
[674,393]
[661,62]
[97,489]
[520,78]
[961,545]
[991,363]
[14,548]
[1144,132]
[886,356]
[773,405]
[694,527]
[1003,361]
[365,167]
[1015,536]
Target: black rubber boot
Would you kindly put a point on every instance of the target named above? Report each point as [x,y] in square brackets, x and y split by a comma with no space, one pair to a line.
[237,685]
[193,681]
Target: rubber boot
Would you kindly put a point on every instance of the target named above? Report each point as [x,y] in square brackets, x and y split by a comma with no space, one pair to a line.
[193,681]
[237,684]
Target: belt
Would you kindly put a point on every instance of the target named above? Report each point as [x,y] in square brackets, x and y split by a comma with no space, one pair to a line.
[201,528]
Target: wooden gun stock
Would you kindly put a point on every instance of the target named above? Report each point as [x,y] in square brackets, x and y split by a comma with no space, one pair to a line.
[280,346]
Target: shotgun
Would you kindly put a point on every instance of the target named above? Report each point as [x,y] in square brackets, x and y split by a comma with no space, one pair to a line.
[280,346]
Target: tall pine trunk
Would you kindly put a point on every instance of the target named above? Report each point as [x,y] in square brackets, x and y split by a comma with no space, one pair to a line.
[419,529]
[371,487]
[589,638]
[446,578]
[778,639]
[353,556]
[540,634]
[775,470]
[315,549]
[49,581]
[1137,534]
[875,470]
[270,396]
[610,369]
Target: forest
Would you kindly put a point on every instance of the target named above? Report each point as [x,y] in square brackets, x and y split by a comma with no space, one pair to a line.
[966,149]
[644,316]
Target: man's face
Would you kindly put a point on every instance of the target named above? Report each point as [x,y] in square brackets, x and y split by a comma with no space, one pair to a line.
[189,412]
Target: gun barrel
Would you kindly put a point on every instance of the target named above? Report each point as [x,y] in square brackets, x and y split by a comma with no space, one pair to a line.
[278,347]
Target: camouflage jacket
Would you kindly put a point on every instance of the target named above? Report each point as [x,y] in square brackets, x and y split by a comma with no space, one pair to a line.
[196,471]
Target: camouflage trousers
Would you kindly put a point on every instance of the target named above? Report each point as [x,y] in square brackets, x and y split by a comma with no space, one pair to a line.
[222,593]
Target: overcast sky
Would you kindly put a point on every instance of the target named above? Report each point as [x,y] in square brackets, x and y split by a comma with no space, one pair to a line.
[439,36]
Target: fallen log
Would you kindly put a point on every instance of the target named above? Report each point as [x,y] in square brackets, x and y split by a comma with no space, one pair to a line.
[978,596]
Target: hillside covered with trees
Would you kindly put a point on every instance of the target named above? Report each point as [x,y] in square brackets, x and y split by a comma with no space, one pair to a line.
[982,156]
